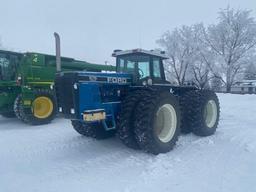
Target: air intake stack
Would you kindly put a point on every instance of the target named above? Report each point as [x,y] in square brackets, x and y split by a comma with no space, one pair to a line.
[58,59]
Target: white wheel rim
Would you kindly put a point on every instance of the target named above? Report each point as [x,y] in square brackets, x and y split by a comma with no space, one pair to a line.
[166,123]
[210,113]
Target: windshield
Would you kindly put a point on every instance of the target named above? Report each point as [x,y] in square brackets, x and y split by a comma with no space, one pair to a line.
[138,65]
[7,67]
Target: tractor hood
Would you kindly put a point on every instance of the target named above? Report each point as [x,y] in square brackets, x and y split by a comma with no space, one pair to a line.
[90,88]
[99,77]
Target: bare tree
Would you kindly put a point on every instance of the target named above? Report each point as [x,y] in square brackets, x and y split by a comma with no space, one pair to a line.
[190,57]
[204,59]
[231,41]
[201,74]
[179,46]
[216,83]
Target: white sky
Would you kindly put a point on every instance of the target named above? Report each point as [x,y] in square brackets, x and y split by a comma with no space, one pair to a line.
[91,30]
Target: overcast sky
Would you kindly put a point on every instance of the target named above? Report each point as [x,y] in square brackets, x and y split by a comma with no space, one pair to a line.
[91,30]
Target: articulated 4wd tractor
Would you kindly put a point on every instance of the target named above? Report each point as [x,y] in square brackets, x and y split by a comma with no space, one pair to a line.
[26,81]
[136,102]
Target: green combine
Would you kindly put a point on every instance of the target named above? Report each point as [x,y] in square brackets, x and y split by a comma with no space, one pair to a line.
[26,84]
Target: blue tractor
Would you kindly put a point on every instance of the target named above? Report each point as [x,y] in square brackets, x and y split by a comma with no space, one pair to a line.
[136,103]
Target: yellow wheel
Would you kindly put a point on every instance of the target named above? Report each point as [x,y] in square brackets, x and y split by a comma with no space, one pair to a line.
[42,107]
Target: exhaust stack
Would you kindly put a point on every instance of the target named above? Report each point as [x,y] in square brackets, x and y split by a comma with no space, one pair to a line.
[58,59]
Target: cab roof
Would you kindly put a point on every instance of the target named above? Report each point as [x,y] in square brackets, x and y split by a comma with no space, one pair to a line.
[160,54]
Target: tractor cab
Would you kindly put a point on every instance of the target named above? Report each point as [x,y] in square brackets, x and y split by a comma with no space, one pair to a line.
[146,67]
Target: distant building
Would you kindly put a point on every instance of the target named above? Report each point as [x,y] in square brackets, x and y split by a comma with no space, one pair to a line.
[243,87]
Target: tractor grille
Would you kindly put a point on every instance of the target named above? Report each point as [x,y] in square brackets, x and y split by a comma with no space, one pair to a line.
[66,94]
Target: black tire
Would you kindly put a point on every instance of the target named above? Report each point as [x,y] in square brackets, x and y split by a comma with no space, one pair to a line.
[94,130]
[27,114]
[17,106]
[196,112]
[10,114]
[185,103]
[126,119]
[146,118]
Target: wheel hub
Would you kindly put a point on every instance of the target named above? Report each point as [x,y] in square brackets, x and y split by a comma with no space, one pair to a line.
[42,107]
[166,123]
[210,113]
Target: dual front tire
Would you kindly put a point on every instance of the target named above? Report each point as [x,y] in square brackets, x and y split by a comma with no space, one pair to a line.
[157,124]
[151,122]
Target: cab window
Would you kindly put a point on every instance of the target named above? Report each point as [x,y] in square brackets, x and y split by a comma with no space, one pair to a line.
[126,64]
[144,67]
[6,71]
[136,64]
[156,68]
[121,65]
[130,66]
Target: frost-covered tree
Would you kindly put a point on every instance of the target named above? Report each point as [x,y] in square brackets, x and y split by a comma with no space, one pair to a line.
[216,83]
[190,56]
[179,46]
[201,74]
[231,40]
[204,59]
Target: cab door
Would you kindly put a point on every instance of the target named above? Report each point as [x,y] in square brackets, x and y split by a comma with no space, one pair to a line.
[158,76]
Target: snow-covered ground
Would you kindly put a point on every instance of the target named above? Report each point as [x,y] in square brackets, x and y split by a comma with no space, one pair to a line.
[55,158]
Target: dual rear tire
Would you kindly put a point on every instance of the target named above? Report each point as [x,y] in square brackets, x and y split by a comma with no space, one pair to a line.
[200,112]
